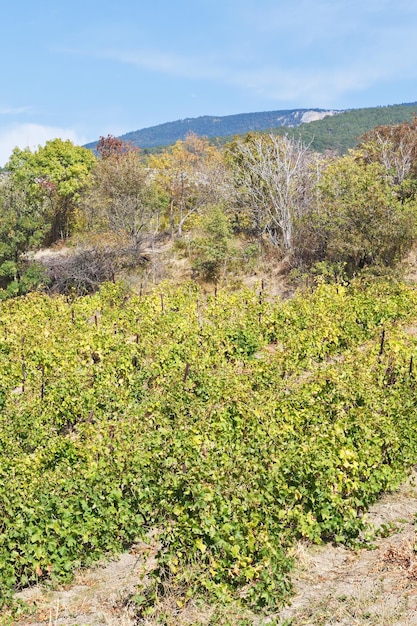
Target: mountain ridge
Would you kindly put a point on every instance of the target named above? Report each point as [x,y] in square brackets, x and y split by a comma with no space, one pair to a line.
[325,129]
[220,126]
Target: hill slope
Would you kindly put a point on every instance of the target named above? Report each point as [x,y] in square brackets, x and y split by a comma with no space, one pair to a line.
[323,129]
[341,132]
[211,126]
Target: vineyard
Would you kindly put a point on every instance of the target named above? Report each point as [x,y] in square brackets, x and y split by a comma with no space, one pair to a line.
[226,424]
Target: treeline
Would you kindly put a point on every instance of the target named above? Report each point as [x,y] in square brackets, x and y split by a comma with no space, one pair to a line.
[320,213]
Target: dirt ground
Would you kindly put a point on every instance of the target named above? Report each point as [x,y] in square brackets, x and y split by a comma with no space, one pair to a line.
[340,587]
[97,596]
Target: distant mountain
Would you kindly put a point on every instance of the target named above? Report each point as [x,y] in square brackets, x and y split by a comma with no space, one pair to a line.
[322,128]
[225,126]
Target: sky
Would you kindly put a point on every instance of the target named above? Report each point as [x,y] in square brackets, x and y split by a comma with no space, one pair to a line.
[81,69]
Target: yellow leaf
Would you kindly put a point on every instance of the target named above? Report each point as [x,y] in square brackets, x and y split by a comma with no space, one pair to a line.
[200,545]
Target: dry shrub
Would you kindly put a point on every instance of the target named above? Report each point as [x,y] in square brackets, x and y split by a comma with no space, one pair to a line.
[84,270]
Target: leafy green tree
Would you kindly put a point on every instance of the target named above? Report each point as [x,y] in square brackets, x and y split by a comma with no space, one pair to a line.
[357,220]
[55,174]
[214,249]
[22,229]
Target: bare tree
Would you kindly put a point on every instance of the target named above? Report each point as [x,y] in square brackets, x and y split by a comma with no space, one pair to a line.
[395,148]
[277,176]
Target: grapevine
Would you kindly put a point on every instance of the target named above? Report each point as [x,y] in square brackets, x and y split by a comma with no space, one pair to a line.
[229,425]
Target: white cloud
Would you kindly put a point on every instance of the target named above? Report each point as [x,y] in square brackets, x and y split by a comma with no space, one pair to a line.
[31,136]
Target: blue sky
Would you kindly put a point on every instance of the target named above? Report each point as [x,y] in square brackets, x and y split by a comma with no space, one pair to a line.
[80,69]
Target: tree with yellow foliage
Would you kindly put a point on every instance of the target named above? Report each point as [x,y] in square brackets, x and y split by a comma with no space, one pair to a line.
[193,175]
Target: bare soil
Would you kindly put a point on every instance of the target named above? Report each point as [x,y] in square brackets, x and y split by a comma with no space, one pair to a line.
[374,587]
[97,596]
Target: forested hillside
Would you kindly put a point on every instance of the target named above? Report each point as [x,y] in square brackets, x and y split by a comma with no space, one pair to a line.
[324,130]
[220,126]
[342,132]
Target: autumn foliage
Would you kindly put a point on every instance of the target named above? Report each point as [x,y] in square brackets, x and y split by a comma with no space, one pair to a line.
[273,193]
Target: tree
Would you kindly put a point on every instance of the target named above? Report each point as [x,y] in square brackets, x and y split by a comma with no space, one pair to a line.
[112,146]
[357,220]
[193,175]
[55,175]
[395,148]
[122,197]
[275,176]
[211,251]
[22,229]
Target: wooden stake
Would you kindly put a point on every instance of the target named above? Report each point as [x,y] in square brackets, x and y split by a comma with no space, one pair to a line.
[381,347]
[43,382]
[187,369]
[23,364]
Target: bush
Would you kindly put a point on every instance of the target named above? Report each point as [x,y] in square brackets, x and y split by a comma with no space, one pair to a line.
[212,251]
[84,270]
[357,220]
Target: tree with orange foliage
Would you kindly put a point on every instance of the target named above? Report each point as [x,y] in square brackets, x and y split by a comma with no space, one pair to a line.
[112,146]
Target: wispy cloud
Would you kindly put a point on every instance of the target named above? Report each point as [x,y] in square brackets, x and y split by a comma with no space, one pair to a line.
[316,86]
[302,79]
[207,66]
[6,110]
[31,136]
[311,54]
